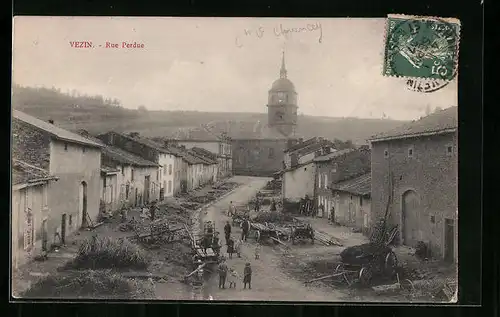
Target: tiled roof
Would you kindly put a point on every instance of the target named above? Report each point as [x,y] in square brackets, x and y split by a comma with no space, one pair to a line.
[332,155]
[52,129]
[360,185]
[116,154]
[124,157]
[314,147]
[23,173]
[206,160]
[233,129]
[108,169]
[441,121]
[301,145]
[205,153]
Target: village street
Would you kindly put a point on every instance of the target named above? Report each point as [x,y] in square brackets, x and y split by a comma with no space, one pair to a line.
[268,281]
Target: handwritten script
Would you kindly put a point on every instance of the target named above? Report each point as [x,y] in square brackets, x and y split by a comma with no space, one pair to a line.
[281,31]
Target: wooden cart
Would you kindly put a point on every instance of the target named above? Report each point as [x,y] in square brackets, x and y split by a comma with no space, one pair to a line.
[302,232]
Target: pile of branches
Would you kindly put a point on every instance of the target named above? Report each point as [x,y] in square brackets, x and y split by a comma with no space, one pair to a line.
[364,253]
[273,217]
[107,253]
[384,233]
[202,199]
[190,205]
[131,225]
[274,184]
[88,284]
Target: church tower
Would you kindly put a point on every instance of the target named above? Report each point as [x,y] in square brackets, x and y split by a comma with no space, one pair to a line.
[282,104]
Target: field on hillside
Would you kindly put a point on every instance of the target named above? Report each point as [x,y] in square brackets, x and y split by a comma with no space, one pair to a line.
[97,115]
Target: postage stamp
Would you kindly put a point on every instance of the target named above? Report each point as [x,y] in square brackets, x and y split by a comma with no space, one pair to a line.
[422,47]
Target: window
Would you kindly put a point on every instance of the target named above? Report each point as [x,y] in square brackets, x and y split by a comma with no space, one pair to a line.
[127,189]
[360,201]
[325,182]
[433,219]
[271,153]
[164,169]
[70,222]
[65,146]
[123,171]
[410,152]
[334,169]
[169,169]
[157,175]
[132,174]
[169,186]
[386,153]
[449,149]
[319,181]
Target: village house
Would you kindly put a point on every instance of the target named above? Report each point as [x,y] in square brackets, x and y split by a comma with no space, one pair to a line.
[298,180]
[352,202]
[159,185]
[416,165]
[210,164]
[300,151]
[123,176]
[218,145]
[29,211]
[73,201]
[335,167]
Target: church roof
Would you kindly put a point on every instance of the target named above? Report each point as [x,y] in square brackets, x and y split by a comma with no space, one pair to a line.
[283,84]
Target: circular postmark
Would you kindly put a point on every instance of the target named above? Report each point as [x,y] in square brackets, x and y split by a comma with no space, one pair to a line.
[422,47]
[425,85]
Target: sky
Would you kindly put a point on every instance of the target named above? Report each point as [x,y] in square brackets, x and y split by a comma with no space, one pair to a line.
[220,64]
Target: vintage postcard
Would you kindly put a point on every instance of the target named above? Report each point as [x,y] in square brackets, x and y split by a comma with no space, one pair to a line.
[235,159]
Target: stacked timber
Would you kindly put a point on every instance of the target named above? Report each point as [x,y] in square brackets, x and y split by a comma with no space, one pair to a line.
[326,239]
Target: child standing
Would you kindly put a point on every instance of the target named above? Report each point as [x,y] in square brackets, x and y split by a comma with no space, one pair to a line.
[237,247]
[247,276]
[257,251]
[232,278]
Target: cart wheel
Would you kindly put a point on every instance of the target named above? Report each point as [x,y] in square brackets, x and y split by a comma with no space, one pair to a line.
[339,268]
[365,276]
[407,285]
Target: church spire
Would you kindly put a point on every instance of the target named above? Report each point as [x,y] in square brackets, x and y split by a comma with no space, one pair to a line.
[283,69]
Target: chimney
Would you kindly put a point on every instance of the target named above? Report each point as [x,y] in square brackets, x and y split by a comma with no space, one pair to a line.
[51,121]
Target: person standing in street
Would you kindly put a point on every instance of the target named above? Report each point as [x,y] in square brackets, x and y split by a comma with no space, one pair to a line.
[273,205]
[230,247]
[152,210]
[237,247]
[227,231]
[216,243]
[222,270]
[247,276]
[231,208]
[245,227]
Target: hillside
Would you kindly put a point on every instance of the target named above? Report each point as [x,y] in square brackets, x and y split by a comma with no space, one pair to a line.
[97,114]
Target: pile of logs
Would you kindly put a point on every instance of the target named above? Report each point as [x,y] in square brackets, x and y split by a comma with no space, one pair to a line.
[326,239]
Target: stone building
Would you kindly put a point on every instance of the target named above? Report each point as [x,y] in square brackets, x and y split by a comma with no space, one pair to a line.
[331,170]
[416,165]
[72,201]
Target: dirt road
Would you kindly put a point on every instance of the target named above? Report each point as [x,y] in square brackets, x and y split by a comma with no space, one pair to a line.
[268,281]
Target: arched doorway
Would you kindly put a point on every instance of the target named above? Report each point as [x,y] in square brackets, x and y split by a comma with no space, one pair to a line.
[83,196]
[410,214]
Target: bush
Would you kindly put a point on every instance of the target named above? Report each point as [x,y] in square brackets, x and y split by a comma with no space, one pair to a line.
[88,284]
[107,253]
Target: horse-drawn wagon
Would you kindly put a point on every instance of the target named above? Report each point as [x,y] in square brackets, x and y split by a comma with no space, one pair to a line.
[302,232]
[363,262]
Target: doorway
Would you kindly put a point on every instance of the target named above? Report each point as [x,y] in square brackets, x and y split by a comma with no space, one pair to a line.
[136,201]
[45,236]
[84,204]
[146,189]
[63,229]
[449,240]
[410,219]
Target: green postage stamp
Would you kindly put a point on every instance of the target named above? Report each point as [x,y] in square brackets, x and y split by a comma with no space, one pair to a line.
[421,47]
